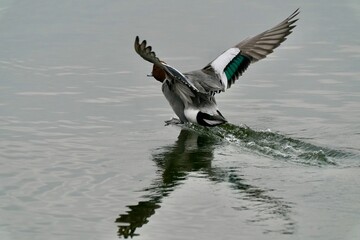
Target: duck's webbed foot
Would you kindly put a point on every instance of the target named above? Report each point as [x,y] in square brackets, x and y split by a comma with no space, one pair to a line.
[173,121]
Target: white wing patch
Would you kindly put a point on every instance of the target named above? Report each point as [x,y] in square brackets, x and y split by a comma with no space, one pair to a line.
[221,62]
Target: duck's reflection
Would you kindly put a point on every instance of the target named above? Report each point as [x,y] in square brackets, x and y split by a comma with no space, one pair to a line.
[193,152]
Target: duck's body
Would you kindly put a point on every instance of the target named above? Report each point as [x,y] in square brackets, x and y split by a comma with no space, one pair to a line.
[192,107]
[192,95]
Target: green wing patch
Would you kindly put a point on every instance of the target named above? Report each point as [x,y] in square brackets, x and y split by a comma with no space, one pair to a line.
[236,67]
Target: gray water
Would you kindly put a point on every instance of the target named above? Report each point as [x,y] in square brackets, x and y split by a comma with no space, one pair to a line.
[85,154]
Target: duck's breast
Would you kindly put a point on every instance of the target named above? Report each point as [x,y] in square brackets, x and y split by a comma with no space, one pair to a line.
[174,100]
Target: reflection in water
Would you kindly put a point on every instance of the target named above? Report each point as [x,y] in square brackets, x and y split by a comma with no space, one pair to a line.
[193,151]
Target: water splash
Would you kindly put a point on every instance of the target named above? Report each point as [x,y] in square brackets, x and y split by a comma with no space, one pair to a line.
[273,144]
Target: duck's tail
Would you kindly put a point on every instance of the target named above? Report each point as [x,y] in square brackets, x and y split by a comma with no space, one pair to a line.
[208,120]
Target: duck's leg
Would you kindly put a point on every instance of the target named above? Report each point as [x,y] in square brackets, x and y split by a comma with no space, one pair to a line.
[173,121]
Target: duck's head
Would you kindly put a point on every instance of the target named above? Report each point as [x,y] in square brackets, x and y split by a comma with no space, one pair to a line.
[158,73]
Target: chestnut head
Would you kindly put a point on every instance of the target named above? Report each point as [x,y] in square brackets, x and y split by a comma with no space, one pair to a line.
[158,73]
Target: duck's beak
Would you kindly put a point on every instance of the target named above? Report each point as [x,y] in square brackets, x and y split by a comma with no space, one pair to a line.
[149,75]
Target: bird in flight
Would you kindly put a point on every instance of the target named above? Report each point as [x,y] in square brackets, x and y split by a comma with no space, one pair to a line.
[192,94]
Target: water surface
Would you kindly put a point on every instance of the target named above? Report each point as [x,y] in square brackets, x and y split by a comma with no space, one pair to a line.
[85,154]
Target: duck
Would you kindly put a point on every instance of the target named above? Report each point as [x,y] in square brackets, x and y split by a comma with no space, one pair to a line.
[191,95]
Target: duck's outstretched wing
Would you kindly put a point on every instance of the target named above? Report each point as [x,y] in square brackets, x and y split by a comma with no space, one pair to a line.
[146,53]
[230,65]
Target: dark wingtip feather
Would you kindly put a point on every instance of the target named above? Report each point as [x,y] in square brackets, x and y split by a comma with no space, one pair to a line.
[295,13]
[136,43]
[146,51]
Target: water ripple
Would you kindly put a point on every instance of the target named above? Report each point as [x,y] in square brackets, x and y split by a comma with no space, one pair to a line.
[28,66]
[188,163]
